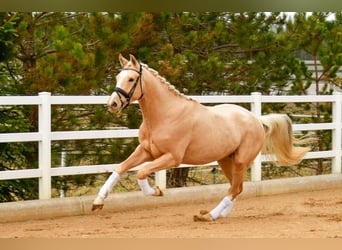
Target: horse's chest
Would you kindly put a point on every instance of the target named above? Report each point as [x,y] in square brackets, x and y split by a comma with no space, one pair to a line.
[154,149]
[151,144]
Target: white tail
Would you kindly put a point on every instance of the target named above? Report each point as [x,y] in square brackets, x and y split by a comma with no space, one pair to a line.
[280,140]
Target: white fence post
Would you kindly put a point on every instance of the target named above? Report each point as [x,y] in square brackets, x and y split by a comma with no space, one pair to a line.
[336,133]
[63,164]
[256,110]
[160,179]
[45,145]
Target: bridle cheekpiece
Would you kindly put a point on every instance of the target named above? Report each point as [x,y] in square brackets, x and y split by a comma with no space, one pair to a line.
[129,95]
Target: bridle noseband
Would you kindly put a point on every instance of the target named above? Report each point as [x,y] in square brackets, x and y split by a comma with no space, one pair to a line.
[129,95]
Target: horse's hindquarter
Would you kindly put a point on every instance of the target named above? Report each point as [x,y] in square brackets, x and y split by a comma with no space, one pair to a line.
[218,131]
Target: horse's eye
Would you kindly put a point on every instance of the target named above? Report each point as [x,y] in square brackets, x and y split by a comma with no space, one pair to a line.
[131,80]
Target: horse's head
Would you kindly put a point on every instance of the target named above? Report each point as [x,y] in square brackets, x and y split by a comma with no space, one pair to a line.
[128,85]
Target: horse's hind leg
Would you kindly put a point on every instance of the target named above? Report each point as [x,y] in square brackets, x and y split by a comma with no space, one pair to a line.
[226,165]
[226,205]
[234,171]
[242,159]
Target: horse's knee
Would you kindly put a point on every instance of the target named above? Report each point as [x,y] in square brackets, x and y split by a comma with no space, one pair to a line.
[141,174]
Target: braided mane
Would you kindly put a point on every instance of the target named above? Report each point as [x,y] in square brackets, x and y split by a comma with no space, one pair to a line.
[164,81]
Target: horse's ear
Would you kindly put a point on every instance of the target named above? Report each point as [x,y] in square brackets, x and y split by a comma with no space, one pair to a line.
[123,61]
[133,60]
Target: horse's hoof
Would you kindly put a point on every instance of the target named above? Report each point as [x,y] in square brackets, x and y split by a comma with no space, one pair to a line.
[157,191]
[96,207]
[203,217]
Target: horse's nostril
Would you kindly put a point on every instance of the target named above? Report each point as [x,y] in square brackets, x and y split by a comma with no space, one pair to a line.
[114,105]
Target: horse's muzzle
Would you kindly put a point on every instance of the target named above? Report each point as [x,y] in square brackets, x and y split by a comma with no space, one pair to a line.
[114,105]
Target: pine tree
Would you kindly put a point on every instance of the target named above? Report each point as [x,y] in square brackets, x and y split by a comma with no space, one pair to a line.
[320,39]
[198,52]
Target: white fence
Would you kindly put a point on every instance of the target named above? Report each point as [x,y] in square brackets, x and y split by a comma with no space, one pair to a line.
[44,136]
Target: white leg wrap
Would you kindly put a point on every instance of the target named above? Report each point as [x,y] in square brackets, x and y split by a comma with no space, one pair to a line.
[145,187]
[224,206]
[109,184]
[98,201]
[226,211]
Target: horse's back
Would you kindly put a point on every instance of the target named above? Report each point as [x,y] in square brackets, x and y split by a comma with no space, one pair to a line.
[219,130]
[235,114]
[230,109]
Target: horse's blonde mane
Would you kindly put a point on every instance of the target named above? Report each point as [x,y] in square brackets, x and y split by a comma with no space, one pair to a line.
[171,87]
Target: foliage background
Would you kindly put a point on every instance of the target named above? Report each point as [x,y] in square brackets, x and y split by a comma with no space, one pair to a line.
[199,52]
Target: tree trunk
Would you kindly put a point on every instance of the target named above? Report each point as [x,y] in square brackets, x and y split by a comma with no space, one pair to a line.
[177,177]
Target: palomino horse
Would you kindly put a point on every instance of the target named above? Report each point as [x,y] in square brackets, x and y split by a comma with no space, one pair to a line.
[177,129]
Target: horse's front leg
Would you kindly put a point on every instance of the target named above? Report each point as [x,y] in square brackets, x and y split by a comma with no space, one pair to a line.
[165,161]
[140,155]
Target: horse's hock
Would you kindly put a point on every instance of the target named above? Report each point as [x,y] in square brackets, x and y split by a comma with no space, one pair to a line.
[58,207]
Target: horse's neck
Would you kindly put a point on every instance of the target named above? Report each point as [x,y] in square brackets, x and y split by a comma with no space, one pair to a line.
[159,101]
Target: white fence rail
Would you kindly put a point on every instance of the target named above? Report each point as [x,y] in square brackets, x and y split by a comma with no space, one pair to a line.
[45,136]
